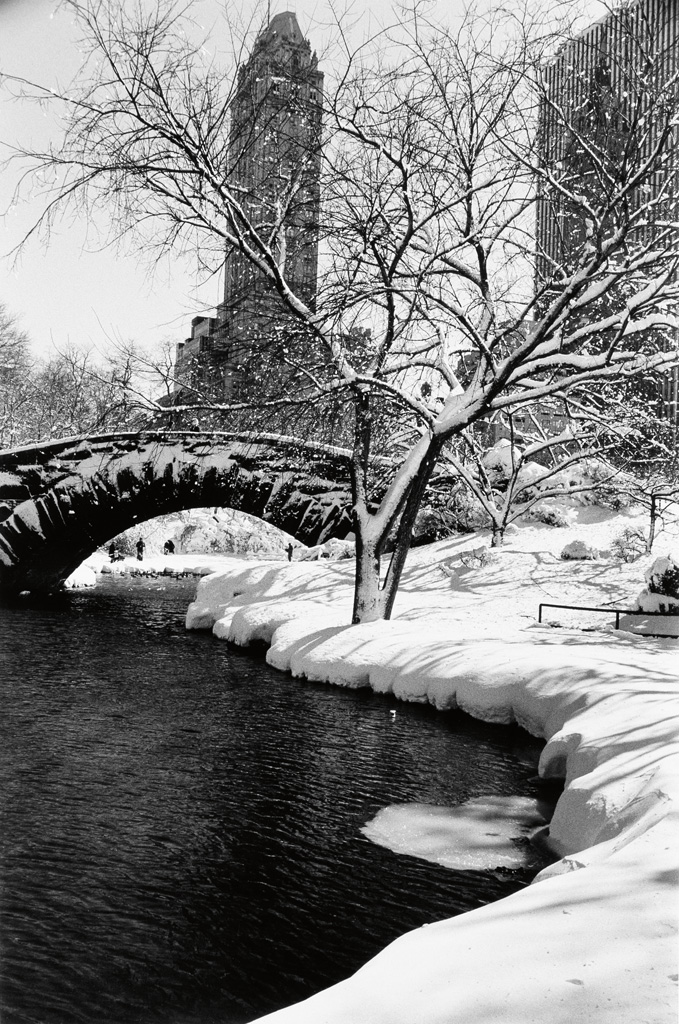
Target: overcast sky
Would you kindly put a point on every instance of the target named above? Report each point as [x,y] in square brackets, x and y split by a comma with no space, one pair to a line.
[69,291]
[63,293]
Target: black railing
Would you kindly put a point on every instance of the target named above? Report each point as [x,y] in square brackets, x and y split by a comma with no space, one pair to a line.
[611,611]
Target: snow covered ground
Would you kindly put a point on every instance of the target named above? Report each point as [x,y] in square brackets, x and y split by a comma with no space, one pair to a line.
[208,530]
[205,541]
[594,939]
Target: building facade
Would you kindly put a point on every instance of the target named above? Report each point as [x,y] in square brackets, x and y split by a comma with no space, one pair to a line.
[609,95]
[274,168]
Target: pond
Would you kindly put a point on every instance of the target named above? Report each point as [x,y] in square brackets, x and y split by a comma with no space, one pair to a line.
[180,825]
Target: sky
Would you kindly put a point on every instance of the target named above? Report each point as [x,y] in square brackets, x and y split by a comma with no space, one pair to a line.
[67,292]
[70,291]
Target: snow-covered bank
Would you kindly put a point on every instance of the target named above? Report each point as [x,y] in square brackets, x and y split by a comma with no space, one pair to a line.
[595,938]
[83,576]
[192,564]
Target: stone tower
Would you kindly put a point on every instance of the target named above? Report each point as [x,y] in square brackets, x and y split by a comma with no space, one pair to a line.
[274,153]
[274,165]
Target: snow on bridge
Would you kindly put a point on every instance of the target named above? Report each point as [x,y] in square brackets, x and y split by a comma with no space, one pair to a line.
[61,500]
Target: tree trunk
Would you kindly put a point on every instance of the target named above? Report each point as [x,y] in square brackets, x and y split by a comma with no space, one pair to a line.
[368,595]
[405,527]
[653,518]
[498,537]
[372,599]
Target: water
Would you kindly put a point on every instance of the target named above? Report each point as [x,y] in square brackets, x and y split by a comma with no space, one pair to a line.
[179,824]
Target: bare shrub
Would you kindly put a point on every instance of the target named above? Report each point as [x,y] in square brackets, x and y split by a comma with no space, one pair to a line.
[629,544]
[549,515]
[477,558]
[467,511]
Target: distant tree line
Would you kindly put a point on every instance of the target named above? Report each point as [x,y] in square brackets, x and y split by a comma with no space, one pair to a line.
[66,393]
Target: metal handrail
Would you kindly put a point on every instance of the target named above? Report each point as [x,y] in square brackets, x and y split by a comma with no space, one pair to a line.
[588,608]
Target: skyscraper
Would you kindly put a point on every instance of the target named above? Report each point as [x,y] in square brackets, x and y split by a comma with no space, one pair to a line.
[609,98]
[274,168]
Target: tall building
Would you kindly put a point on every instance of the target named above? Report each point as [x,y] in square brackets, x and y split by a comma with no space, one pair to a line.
[609,96]
[274,166]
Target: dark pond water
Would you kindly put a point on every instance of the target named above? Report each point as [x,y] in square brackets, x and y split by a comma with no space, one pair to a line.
[179,824]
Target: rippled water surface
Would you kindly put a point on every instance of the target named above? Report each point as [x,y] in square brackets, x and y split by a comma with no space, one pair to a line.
[179,824]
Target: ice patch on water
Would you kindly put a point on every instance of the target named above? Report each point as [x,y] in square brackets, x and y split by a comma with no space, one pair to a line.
[482,834]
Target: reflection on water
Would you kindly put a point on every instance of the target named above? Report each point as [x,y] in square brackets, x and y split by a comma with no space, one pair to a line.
[180,825]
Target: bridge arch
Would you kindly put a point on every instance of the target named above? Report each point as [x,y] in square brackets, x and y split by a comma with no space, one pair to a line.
[61,500]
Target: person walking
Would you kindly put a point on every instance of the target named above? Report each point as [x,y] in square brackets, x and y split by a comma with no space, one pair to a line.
[140,550]
[290,549]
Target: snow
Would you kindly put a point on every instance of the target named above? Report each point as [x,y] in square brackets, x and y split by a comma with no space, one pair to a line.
[579,549]
[594,938]
[501,459]
[83,576]
[483,833]
[329,549]
[205,540]
[192,564]
[259,622]
[662,591]
[655,603]
[213,530]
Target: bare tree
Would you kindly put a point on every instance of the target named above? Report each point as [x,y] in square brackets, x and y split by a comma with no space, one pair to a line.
[69,393]
[560,448]
[434,161]
[15,385]
[76,392]
[651,457]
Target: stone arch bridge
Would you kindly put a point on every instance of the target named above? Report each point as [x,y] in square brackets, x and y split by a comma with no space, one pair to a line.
[61,500]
